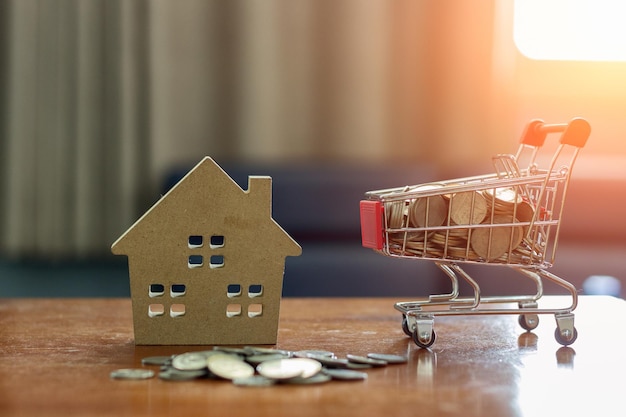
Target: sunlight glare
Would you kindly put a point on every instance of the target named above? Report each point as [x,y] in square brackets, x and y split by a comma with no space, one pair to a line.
[571,30]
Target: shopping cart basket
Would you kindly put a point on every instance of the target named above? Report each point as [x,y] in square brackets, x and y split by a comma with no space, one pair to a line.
[509,217]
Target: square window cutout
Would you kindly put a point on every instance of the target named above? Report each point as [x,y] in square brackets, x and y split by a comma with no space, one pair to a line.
[234,290]
[217,241]
[178,290]
[156,290]
[216,261]
[233,310]
[156,310]
[255,290]
[255,310]
[195,261]
[177,310]
[195,241]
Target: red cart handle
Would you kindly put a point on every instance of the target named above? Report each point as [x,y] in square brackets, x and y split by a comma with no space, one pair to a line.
[575,133]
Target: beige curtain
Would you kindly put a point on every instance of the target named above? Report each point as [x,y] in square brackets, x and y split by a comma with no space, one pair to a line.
[76,119]
[100,98]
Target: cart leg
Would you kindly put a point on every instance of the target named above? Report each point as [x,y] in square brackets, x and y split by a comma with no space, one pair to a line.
[565,333]
[564,284]
[536,278]
[454,293]
[424,333]
[460,272]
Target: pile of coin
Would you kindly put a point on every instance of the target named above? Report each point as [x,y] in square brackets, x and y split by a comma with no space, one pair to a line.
[497,220]
[259,366]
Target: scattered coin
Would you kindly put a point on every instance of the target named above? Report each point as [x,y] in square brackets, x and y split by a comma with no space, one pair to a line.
[318,378]
[388,357]
[255,350]
[311,352]
[345,374]
[254,381]
[264,357]
[132,374]
[191,361]
[366,360]
[228,366]
[330,362]
[173,374]
[156,360]
[282,369]
[273,366]
[354,365]
[234,350]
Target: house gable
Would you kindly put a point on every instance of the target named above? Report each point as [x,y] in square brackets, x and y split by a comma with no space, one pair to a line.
[206,258]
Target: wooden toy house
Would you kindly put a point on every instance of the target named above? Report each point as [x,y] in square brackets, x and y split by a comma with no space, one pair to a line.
[206,262]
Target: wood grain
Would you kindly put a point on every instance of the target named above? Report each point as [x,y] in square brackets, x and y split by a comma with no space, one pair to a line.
[56,356]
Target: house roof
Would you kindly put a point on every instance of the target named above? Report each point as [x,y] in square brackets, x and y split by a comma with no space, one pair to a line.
[207,195]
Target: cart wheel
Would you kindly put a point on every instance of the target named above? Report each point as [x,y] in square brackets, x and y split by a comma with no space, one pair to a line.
[528,322]
[405,326]
[423,342]
[563,340]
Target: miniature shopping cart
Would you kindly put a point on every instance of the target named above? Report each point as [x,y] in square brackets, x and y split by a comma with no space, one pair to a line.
[509,217]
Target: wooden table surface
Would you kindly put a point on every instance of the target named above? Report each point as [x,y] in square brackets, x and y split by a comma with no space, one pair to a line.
[56,356]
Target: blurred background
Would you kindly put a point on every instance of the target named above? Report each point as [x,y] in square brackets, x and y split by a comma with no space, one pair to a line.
[105,104]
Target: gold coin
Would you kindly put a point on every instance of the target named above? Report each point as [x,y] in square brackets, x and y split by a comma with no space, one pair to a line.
[394,211]
[494,241]
[466,254]
[524,212]
[458,232]
[428,211]
[468,208]
[406,237]
[441,239]
[504,195]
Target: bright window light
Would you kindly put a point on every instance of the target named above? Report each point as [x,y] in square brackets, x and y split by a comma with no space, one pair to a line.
[571,30]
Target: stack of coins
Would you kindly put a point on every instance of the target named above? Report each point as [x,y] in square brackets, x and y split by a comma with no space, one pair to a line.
[253,366]
[492,233]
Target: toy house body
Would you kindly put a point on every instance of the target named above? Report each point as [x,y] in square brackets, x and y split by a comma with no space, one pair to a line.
[206,263]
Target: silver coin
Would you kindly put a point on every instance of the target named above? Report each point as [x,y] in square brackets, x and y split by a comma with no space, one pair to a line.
[264,357]
[191,361]
[233,350]
[228,366]
[330,362]
[312,352]
[345,374]
[132,374]
[282,369]
[319,378]
[156,360]
[365,360]
[254,381]
[207,353]
[389,358]
[257,350]
[173,374]
[354,365]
